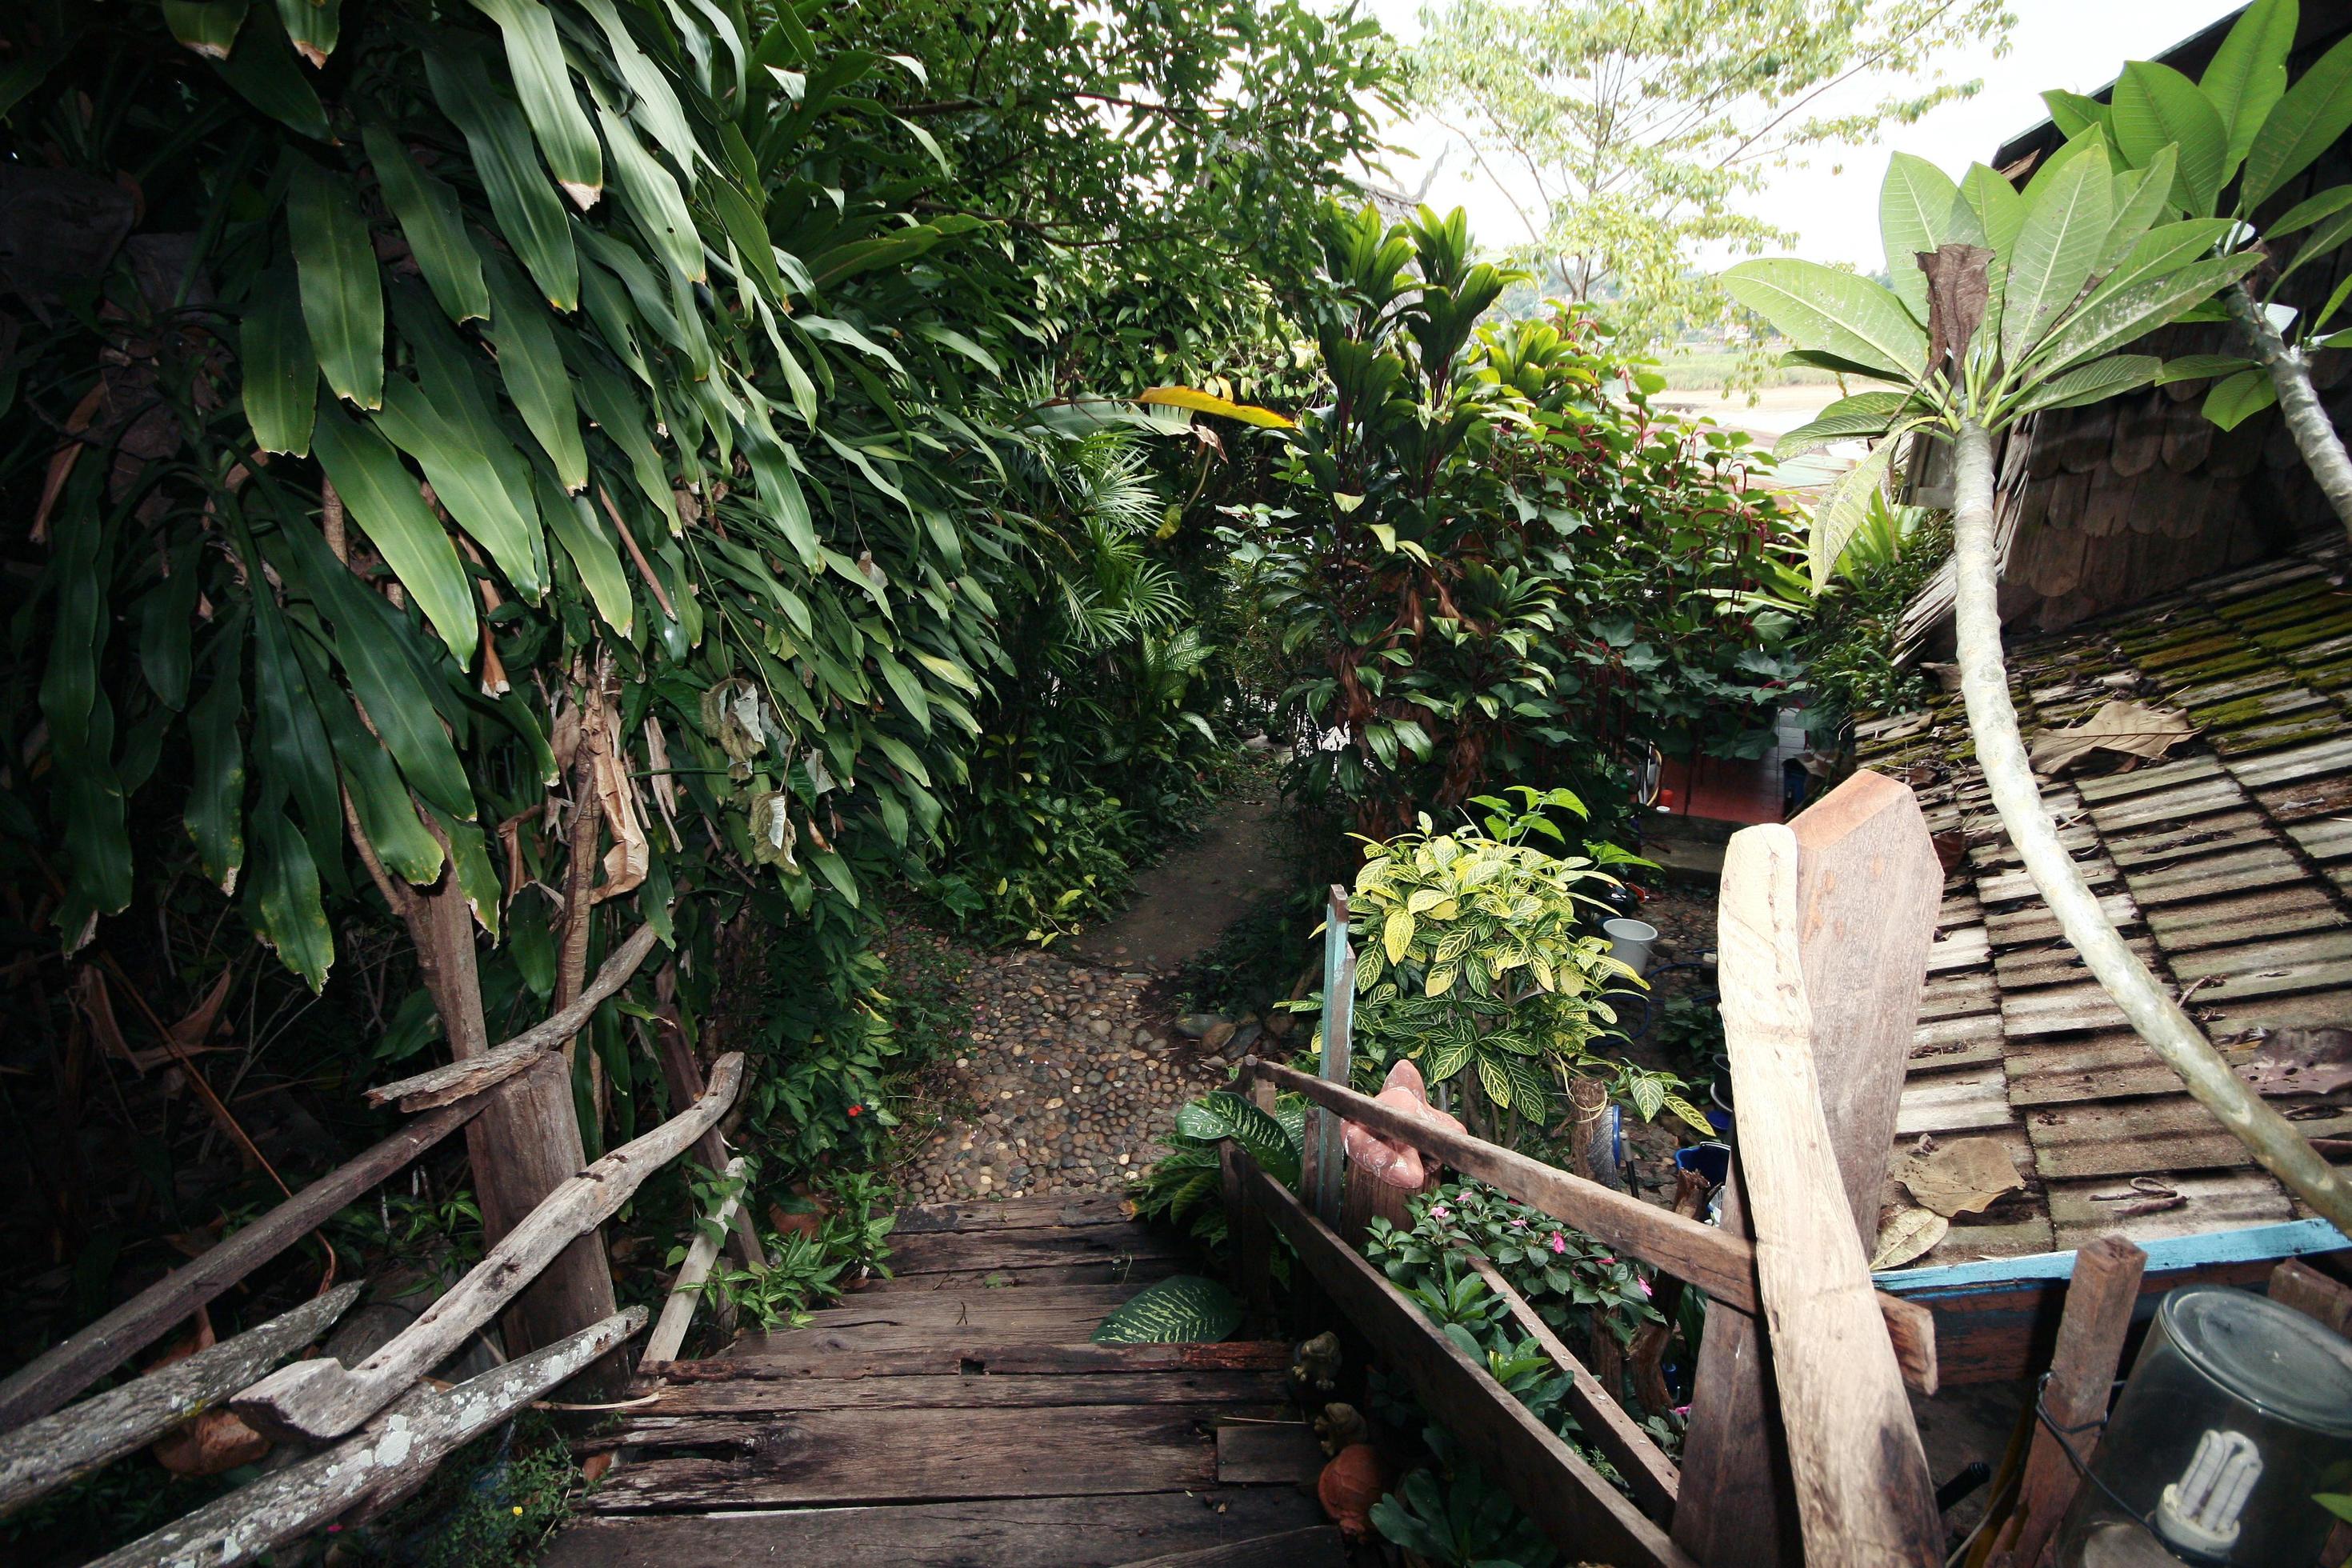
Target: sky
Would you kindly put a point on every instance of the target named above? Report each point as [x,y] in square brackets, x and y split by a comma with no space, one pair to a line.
[2074,44]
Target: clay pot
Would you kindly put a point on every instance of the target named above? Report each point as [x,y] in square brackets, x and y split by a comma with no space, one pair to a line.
[1350,1484]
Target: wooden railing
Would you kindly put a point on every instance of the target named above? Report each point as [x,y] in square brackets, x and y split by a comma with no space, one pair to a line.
[373,1430]
[1825,927]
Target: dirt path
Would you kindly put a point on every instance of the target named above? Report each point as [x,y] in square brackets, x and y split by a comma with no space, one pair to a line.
[1070,1072]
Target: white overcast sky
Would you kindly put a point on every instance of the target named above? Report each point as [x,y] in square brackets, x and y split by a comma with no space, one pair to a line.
[1833,204]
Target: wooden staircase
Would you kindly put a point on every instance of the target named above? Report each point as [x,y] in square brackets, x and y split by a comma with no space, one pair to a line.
[958,1415]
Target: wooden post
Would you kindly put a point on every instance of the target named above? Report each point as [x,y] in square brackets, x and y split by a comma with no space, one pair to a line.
[1863,1494]
[2098,1314]
[1339,1022]
[1246,1221]
[1366,1198]
[1868,888]
[678,1308]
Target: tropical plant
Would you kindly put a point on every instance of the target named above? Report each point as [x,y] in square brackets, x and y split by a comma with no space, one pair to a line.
[1497,561]
[1181,1185]
[2238,137]
[1630,133]
[1183,1309]
[1460,1519]
[2012,302]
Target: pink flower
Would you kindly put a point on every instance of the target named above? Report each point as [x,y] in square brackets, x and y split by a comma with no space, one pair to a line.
[1558,1243]
[1519,1225]
[1439,1211]
[1681,1410]
[1644,1284]
[1604,1262]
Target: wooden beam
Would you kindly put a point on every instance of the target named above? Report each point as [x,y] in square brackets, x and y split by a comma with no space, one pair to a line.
[1648,1472]
[398,1446]
[2313,1294]
[458,1080]
[1868,888]
[1863,1493]
[44,1455]
[2099,1305]
[321,1398]
[1567,1497]
[1723,1266]
[678,1306]
[56,1376]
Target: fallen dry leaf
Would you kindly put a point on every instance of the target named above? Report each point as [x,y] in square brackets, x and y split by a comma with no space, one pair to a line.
[2302,1061]
[1905,1234]
[2133,728]
[1963,1176]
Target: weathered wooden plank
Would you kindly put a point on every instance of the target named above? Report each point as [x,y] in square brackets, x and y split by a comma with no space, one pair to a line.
[398,1446]
[1964,948]
[2099,1303]
[2323,1300]
[2114,1066]
[1568,1499]
[1964,996]
[701,1253]
[2212,1201]
[2293,766]
[1214,1388]
[1044,1314]
[2328,838]
[972,1354]
[1131,1272]
[2329,794]
[2163,778]
[2242,828]
[1956,1043]
[2059,1010]
[1318,1548]
[44,1455]
[1999,888]
[1035,1247]
[1067,1533]
[2203,800]
[1863,1493]
[2055,963]
[2131,1138]
[48,1379]
[2214,923]
[827,1458]
[458,1080]
[2034,922]
[1965,1100]
[321,1398]
[1012,1214]
[1648,1472]
[2228,1021]
[1868,888]
[1262,1453]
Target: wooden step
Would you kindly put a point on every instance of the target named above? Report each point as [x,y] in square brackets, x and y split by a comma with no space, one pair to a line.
[1030,1532]
[1044,1314]
[789,1358]
[1032,1246]
[1012,1214]
[980,1389]
[1319,1547]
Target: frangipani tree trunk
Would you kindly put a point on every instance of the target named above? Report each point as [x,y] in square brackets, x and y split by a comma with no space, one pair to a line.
[2153,1016]
[2288,366]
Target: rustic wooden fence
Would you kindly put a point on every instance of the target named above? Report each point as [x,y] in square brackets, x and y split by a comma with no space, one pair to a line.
[1802,1446]
[368,1433]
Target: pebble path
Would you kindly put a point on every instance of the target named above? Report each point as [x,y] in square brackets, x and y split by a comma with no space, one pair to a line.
[1064,1083]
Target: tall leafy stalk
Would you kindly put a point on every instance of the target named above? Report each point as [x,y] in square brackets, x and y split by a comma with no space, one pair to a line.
[2005,303]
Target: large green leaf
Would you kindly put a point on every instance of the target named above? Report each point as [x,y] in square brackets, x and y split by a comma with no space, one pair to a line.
[284,899]
[208,26]
[651,195]
[216,810]
[2248,73]
[1223,1114]
[2238,398]
[1833,426]
[2163,249]
[656,104]
[531,361]
[2073,113]
[262,68]
[280,387]
[535,56]
[1915,216]
[530,216]
[343,298]
[2107,323]
[382,497]
[312,25]
[386,812]
[1845,505]
[289,738]
[2093,383]
[1841,314]
[2141,197]
[578,529]
[2065,231]
[433,225]
[2155,106]
[463,464]
[1183,1309]
[2304,122]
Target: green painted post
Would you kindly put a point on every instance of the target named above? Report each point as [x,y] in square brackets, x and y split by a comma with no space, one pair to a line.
[1338,1020]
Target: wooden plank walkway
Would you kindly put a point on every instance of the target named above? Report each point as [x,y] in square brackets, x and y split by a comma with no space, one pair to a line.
[958,1415]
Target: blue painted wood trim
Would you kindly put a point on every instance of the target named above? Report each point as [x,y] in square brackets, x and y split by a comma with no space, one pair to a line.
[2249,1244]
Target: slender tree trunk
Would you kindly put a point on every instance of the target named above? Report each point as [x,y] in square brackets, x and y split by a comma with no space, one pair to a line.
[2290,372]
[2001,752]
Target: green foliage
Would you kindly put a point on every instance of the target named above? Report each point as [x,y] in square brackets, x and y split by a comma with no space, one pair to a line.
[1182,1184]
[493,1504]
[1850,640]
[1183,1309]
[1497,561]
[1648,125]
[1460,1519]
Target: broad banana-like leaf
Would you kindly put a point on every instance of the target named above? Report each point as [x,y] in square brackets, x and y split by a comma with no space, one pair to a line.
[2200,368]
[2073,113]
[619,414]
[1838,423]
[656,105]
[1223,1114]
[313,27]
[2142,196]
[208,26]
[2307,121]
[2248,73]
[285,908]
[651,195]
[1183,1309]
[280,385]
[1839,312]
[535,56]
[382,497]
[262,68]
[433,225]
[530,216]
[2064,230]
[1998,206]
[290,737]
[1844,506]
[2093,383]
[387,811]
[531,361]
[2155,106]
[1915,216]
[1205,403]
[343,298]
[2238,399]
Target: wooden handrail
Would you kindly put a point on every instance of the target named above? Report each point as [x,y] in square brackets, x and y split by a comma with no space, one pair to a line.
[1721,1265]
[701,1254]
